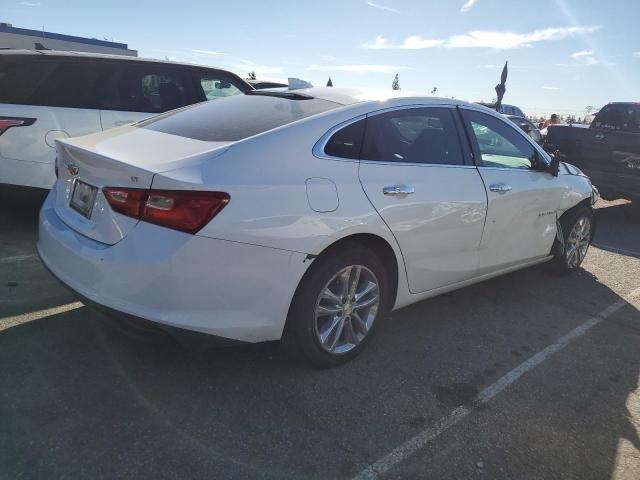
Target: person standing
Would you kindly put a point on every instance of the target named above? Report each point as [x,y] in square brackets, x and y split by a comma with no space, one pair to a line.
[554,120]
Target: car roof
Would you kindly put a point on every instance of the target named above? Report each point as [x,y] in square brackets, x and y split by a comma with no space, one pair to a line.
[350,96]
[105,56]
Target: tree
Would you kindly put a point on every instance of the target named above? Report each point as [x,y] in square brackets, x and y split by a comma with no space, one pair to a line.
[252,75]
[329,83]
[396,83]
[434,90]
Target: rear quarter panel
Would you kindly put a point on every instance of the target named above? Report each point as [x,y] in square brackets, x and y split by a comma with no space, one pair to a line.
[28,153]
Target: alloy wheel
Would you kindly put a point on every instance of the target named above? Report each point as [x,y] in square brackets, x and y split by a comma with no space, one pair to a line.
[578,242]
[346,309]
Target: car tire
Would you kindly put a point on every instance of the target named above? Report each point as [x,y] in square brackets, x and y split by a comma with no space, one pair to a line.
[578,227]
[327,323]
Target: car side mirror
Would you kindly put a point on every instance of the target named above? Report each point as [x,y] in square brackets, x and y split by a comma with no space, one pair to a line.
[553,167]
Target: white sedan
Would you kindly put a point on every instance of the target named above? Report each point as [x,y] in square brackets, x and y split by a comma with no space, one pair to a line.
[305,215]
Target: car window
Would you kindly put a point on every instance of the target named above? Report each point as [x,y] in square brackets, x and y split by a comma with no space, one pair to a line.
[152,89]
[498,143]
[619,117]
[53,82]
[216,85]
[237,117]
[415,135]
[346,142]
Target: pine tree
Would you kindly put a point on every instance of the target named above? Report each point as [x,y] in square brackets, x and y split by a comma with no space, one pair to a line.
[396,83]
[252,75]
[329,83]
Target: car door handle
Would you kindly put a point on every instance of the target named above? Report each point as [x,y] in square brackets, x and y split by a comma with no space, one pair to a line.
[399,191]
[500,187]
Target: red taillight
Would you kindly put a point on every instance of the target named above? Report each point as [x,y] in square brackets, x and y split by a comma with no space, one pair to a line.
[184,210]
[127,201]
[7,122]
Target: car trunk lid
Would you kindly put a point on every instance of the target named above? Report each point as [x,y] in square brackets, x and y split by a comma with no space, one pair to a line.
[123,157]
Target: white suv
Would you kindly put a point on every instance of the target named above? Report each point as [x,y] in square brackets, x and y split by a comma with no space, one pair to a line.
[46,95]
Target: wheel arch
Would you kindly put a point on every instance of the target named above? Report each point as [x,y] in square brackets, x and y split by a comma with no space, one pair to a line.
[391,258]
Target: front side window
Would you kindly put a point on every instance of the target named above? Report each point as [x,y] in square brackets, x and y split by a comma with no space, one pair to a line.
[216,86]
[498,143]
[414,135]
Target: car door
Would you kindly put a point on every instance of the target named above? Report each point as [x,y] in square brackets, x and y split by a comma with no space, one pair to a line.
[141,90]
[522,200]
[413,170]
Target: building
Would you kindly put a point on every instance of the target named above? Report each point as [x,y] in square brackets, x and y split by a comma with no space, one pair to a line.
[24,38]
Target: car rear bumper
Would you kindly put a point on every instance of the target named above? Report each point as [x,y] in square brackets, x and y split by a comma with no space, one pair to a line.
[228,289]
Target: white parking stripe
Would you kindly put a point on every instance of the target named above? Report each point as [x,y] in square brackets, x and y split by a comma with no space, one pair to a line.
[414,444]
[17,258]
[8,322]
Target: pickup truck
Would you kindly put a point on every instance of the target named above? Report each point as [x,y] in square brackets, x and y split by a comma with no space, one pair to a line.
[608,150]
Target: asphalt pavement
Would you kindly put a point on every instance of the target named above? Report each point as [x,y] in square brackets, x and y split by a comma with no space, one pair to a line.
[526,376]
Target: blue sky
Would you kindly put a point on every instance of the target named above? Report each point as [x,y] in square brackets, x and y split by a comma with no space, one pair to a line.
[563,54]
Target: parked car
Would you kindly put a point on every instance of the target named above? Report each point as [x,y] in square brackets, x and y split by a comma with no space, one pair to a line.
[527,127]
[46,95]
[505,109]
[306,214]
[608,151]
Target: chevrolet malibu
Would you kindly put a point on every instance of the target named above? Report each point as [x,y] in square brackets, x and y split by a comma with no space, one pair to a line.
[305,215]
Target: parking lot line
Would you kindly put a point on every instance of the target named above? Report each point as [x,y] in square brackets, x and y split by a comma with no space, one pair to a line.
[17,258]
[420,440]
[8,322]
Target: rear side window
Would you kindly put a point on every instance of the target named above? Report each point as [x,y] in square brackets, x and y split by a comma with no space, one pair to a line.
[53,82]
[234,118]
[147,88]
[415,135]
[346,142]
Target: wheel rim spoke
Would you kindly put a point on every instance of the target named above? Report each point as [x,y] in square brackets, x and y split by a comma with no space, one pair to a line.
[324,336]
[359,323]
[368,288]
[366,303]
[337,335]
[354,280]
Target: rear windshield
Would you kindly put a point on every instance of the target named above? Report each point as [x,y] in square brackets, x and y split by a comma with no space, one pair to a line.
[234,118]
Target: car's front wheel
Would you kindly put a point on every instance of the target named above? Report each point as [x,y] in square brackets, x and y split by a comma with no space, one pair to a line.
[577,232]
[336,307]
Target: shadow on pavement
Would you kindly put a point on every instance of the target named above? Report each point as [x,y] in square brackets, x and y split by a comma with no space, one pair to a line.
[618,227]
[81,399]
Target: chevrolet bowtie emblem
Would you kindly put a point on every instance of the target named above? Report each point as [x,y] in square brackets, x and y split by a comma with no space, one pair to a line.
[73,170]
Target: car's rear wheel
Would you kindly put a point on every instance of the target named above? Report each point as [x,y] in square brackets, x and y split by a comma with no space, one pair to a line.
[336,307]
[577,231]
